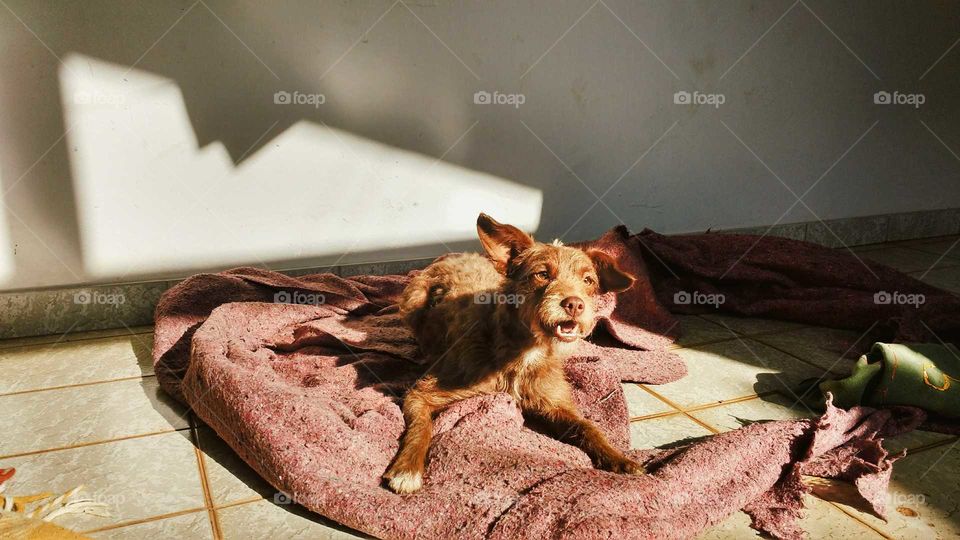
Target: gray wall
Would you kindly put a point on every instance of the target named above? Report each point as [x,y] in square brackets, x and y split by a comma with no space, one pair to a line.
[598,79]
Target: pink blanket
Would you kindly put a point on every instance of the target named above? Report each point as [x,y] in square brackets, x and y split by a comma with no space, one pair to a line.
[308,395]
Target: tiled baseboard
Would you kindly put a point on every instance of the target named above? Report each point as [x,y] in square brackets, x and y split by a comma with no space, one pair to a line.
[859,231]
[99,307]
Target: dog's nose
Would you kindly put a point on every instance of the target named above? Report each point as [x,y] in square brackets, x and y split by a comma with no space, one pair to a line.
[572,305]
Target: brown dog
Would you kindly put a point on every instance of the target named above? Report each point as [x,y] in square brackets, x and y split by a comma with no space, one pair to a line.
[504,323]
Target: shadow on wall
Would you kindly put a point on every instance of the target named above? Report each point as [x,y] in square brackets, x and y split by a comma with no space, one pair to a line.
[191,151]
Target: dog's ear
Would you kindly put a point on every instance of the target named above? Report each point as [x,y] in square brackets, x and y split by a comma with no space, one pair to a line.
[612,278]
[501,242]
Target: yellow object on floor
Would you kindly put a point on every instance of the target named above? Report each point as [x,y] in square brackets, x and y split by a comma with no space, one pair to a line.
[20,522]
[16,526]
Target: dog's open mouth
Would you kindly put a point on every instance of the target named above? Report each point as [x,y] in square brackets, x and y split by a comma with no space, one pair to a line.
[566,331]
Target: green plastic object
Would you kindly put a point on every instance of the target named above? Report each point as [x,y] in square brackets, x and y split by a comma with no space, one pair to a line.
[925,375]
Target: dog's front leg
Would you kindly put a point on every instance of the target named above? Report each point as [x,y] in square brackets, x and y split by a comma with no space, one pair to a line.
[548,398]
[405,474]
[572,427]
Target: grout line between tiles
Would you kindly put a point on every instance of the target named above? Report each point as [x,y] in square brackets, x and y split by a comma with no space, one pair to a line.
[661,398]
[705,425]
[654,416]
[858,520]
[205,482]
[78,385]
[735,335]
[93,443]
[140,521]
[677,347]
[6,343]
[695,408]
[678,411]
[178,513]
[950,257]
[711,405]
[239,502]
[754,334]
[931,446]
[800,358]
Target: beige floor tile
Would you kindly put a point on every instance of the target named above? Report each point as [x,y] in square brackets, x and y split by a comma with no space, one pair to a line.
[263,519]
[642,403]
[820,520]
[906,259]
[665,431]
[73,336]
[734,369]
[778,407]
[913,440]
[945,278]
[230,479]
[737,415]
[192,526]
[75,362]
[824,347]
[83,414]
[137,478]
[950,247]
[922,502]
[750,326]
[695,330]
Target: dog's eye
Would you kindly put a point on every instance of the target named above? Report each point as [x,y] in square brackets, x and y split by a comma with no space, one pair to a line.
[588,280]
[542,275]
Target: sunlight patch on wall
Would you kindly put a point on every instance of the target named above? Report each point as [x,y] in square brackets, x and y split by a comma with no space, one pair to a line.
[6,248]
[150,201]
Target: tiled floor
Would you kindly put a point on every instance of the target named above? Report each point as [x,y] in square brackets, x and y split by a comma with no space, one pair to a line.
[85,408]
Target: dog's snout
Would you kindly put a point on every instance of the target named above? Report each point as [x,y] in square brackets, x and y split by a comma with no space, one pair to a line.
[573,305]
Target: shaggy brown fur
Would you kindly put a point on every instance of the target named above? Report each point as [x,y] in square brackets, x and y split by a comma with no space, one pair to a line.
[504,323]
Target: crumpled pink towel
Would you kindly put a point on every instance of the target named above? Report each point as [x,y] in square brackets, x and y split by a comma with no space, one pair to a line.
[309,395]
[323,425]
[310,399]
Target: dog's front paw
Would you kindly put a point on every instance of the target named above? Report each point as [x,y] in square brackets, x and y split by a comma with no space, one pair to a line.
[403,482]
[621,464]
